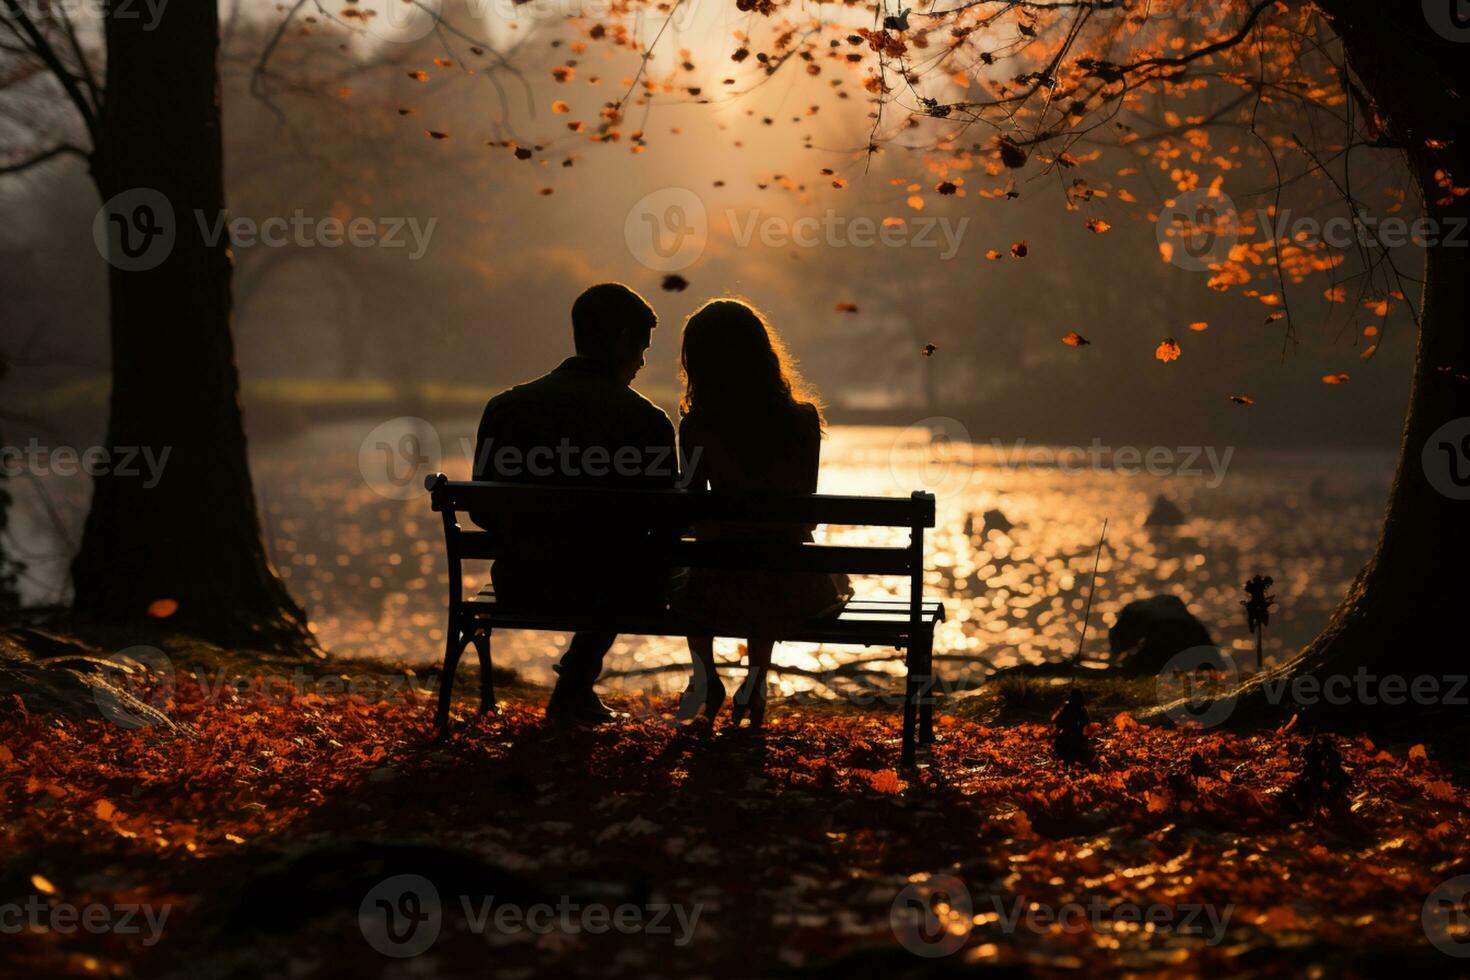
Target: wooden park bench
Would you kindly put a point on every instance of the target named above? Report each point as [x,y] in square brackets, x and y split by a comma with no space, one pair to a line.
[902,624]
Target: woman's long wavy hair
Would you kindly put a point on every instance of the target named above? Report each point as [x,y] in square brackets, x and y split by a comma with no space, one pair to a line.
[737,374]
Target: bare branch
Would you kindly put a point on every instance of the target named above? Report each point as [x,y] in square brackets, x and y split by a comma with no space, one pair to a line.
[25,163]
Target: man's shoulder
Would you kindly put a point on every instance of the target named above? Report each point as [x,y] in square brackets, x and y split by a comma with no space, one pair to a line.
[639,404]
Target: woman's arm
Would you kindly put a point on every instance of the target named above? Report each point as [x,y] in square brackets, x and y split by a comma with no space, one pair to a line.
[693,470]
[811,448]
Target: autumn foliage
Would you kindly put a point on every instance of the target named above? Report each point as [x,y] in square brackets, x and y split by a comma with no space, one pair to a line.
[813,816]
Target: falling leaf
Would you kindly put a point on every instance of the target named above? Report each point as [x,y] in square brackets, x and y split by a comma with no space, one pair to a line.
[563,73]
[1368,352]
[675,283]
[1020,249]
[928,350]
[847,308]
[1168,350]
[1242,399]
[560,107]
[435,134]
[522,153]
[419,76]
[946,187]
[443,62]
[1199,326]
[1097,226]
[994,255]
[1075,339]
[162,608]
[1334,379]
[42,884]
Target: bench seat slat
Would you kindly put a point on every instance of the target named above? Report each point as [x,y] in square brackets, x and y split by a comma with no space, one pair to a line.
[690,553]
[867,621]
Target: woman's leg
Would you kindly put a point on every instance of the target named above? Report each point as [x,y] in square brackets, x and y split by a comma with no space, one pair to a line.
[752,694]
[705,689]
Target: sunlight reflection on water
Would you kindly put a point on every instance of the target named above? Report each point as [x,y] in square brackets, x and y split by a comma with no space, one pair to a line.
[371,569]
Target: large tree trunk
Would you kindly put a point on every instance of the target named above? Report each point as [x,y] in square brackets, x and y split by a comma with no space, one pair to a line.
[1405,613]
[195,536]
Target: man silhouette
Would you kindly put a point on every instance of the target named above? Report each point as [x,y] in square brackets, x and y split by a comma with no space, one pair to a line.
[581,425]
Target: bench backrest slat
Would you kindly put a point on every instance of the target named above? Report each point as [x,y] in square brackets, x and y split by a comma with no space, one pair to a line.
[651,507]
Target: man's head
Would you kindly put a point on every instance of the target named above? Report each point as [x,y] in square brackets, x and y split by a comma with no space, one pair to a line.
[612,324]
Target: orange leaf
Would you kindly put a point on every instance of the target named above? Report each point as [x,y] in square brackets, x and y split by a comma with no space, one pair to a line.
[1199,325]
[163,608]
[1075,339]
[1168,350]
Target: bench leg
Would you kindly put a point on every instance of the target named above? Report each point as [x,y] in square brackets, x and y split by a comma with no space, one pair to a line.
[926,690]
[487,678]
[910,709]
[453,648]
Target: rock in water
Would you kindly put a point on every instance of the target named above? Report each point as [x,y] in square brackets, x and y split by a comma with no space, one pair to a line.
[996,521]
[1155,630]
[1164,513]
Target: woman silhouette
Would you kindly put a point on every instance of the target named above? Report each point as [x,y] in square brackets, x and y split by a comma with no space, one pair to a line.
[748,424]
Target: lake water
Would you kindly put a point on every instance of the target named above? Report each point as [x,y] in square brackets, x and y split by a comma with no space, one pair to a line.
[370,568]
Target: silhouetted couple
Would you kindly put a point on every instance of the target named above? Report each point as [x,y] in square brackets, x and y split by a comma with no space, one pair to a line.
[748,424]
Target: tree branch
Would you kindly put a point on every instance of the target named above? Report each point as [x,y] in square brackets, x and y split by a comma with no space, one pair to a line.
[64,149]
